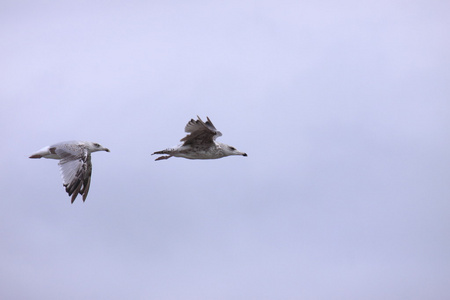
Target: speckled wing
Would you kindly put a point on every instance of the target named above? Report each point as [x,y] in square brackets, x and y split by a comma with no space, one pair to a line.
[201,133]
[76,170]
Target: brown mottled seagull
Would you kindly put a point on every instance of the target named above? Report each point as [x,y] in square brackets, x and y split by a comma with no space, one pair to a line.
[200,143]
[75,164]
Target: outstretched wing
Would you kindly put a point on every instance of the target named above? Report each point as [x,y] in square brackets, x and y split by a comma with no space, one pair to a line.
[201,133]
[76,170]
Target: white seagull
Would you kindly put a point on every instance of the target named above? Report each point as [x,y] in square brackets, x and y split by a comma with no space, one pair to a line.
[200,143]
[75,164]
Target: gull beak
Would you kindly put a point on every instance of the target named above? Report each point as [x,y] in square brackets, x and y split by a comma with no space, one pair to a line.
[245,154]
[106,149]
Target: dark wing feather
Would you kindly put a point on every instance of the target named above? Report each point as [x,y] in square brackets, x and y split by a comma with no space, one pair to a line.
[76,170]
[201,133]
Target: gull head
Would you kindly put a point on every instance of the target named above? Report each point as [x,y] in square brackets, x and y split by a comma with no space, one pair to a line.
[94,147]
[230,150]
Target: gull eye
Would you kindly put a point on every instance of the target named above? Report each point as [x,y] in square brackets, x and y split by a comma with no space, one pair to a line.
[96,145]
[232,148]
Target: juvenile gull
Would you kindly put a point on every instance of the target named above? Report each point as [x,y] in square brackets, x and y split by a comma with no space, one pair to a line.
[200,143]
[75,164]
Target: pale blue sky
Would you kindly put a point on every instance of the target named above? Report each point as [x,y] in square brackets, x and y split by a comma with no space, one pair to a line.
[342,107]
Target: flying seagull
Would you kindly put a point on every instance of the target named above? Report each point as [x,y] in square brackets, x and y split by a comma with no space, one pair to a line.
[200,143]
[75,164]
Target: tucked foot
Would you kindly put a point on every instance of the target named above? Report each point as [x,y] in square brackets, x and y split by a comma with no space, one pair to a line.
[163,157]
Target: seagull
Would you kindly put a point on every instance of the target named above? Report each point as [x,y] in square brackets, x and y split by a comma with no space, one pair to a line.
[200,143]
[75,164]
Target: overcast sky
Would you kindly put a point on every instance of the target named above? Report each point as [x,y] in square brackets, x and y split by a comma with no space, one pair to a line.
[343,108]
